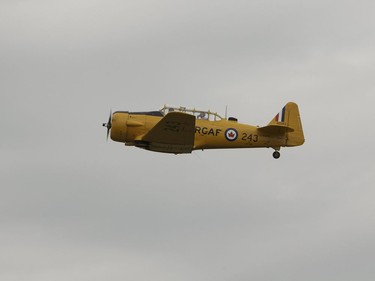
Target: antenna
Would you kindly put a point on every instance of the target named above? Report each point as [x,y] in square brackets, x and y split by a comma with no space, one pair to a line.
[226,112]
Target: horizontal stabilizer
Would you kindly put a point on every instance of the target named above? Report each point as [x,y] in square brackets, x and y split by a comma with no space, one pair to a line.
[275,129]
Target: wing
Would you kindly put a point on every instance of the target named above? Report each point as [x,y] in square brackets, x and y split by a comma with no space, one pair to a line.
[173,134]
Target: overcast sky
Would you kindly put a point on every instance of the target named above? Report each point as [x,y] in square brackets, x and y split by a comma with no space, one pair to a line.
[74,207]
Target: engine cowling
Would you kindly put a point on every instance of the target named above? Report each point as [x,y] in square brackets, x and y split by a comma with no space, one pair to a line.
[119,126]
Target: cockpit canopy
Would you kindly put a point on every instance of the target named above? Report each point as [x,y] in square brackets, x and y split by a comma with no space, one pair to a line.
[199,114]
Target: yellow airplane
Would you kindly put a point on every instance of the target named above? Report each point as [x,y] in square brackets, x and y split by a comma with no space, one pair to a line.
[181,130]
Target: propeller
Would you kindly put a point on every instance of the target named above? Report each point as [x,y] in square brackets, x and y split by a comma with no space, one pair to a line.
[109,124]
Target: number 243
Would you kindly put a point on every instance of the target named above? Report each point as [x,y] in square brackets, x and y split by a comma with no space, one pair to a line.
[249,137]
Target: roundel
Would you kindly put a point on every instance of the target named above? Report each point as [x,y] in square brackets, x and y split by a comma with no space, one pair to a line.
[231,134]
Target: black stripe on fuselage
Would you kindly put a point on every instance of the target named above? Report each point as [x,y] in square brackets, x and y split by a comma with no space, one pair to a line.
[149,113]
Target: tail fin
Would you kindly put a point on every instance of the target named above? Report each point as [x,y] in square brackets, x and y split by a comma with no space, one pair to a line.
[288,122]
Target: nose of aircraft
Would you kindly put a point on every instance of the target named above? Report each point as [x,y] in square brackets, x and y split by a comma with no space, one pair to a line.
[116,126]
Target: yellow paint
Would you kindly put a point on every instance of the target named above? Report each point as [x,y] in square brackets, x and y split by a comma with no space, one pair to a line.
[181,130]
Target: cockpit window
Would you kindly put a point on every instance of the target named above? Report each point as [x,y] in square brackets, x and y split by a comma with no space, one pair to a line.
[199,114]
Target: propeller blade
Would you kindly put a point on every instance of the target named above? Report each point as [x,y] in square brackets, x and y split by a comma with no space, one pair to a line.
[109,124]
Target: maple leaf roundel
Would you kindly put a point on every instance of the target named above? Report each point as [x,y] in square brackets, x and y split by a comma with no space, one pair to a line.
[231,134]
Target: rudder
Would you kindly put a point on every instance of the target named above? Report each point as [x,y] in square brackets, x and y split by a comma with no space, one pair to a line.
[290,117]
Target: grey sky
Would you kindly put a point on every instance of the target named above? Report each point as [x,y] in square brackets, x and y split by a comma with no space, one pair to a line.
[74,207]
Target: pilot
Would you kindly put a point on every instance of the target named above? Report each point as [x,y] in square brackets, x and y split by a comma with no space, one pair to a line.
[202,115]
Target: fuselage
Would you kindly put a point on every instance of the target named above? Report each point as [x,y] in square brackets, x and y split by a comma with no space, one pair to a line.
[130,127]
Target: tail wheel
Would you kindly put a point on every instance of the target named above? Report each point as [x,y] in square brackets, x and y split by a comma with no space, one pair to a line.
[276,155]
